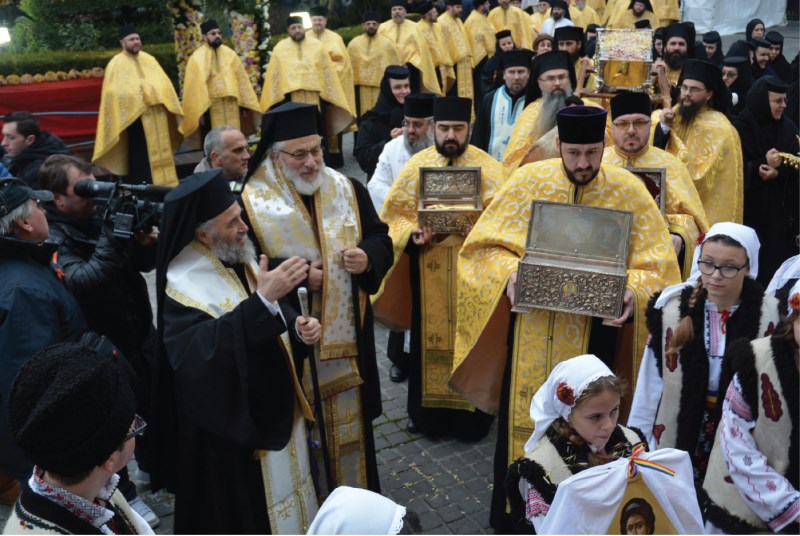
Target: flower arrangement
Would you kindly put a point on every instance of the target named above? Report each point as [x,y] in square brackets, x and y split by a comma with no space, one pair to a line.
[245,37]
[186,17]
[262,16]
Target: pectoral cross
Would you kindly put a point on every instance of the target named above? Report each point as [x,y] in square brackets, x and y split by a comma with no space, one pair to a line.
[525,394]
[434,338]
[433,266]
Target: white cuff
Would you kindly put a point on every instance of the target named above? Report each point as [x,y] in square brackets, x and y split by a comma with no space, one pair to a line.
[271,307]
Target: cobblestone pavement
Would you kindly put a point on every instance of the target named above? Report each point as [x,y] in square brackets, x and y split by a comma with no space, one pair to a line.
[446,481]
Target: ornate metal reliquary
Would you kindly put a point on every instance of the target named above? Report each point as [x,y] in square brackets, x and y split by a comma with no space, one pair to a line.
[449,198]
[623,59]
[575,260]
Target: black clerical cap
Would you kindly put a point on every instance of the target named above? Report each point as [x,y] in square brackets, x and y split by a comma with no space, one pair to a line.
[702,71]
[592,28]
[642,24]
[419,105]
[658,33]
[318,11]
[774,84]
[776,38]
[424,7]
[630,103]
[581,124]
[568,33]
[647,5]
[203,196]
[740,48]
[452,109]
[559,4]
[208,25]
[757,42]
[293,20]
[502,34]
[400,3]
[679,29]
[736,61]
[126,30]
[549,61]
[289,121]
[711,37]
[397,72]
[520,57]
[368,16]
[453,2]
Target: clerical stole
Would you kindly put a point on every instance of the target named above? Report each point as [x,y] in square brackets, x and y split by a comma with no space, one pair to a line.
[504,115]
[542,339]
[159,151]
[285,227]
[196,278]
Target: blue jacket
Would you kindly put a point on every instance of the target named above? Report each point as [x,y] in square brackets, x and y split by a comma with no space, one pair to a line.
[36,311]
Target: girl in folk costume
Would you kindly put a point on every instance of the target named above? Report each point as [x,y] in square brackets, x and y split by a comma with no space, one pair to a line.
[752,480]
[683,370]
[575,427]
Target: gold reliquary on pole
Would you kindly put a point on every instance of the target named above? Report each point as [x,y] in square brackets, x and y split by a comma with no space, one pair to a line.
[449,198]
[575,260]
[624,59]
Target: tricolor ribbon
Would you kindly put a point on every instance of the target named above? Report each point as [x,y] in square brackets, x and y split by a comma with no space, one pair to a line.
[635,462]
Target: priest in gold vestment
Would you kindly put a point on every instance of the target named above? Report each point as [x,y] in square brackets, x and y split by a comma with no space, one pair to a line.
[423,279]
[297,206]
[686,218]
[370,55]
[552,80]
[501,379]
[137,127]
[412,49]
[301,70]
[480,34]
[711,141]
[507,17]
[431,33]
[216,87]
[638,10]
[460,48]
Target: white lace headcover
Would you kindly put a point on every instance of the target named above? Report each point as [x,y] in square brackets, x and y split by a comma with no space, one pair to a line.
[557,396]
[357,511]
[741,233]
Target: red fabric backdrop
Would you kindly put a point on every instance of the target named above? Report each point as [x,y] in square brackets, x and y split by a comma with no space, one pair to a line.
[82,95]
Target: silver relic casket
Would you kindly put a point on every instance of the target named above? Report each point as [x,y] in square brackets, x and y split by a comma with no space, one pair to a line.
[449,198]
[575,260]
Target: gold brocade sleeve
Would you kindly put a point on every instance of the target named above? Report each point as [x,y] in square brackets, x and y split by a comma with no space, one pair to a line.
[306,66]
[400,212]
[412,48]
[455,38]
[497,242]
[131,84]
[517,21]
[625,20]
[481,34]
[334,44]
[213,76]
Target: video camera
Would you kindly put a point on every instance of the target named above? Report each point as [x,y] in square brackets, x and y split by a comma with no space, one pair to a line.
[129,208]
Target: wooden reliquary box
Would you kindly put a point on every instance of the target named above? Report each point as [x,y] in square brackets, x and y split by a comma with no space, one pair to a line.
[575,260]
[449,198]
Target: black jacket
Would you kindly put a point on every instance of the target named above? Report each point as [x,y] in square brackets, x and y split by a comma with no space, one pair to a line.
[26,165]
[103,273]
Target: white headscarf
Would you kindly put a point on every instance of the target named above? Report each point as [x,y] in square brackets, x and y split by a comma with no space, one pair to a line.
[790,269]
[357,511]
[557,396]
[744,235]
[792,293]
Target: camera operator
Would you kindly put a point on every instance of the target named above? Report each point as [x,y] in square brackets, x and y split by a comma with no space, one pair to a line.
[104,273]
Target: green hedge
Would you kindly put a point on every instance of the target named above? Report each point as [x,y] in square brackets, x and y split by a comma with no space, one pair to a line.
[60,60]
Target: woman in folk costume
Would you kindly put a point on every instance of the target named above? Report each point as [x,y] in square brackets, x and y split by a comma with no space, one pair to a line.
[683,370]
[575,427]
[752,481]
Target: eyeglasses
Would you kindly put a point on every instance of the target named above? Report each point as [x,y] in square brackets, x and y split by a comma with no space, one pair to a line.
[781,100]
[139,425]
[728,272]
[625,125]
[691,90]
[551,79]
[301,156]
[416,125]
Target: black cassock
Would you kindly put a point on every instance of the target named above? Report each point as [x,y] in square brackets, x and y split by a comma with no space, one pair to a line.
[234,395]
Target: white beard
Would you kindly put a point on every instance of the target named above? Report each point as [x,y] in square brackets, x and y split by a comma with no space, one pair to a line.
[234,253]
[301,185]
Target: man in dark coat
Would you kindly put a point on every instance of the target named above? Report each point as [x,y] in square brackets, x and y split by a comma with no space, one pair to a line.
[36,310]
[103,272]
[384,122]
[236,396]
[27,146]
[297,206]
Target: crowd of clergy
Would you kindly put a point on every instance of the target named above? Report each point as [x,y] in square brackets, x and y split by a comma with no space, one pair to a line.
[272,268]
